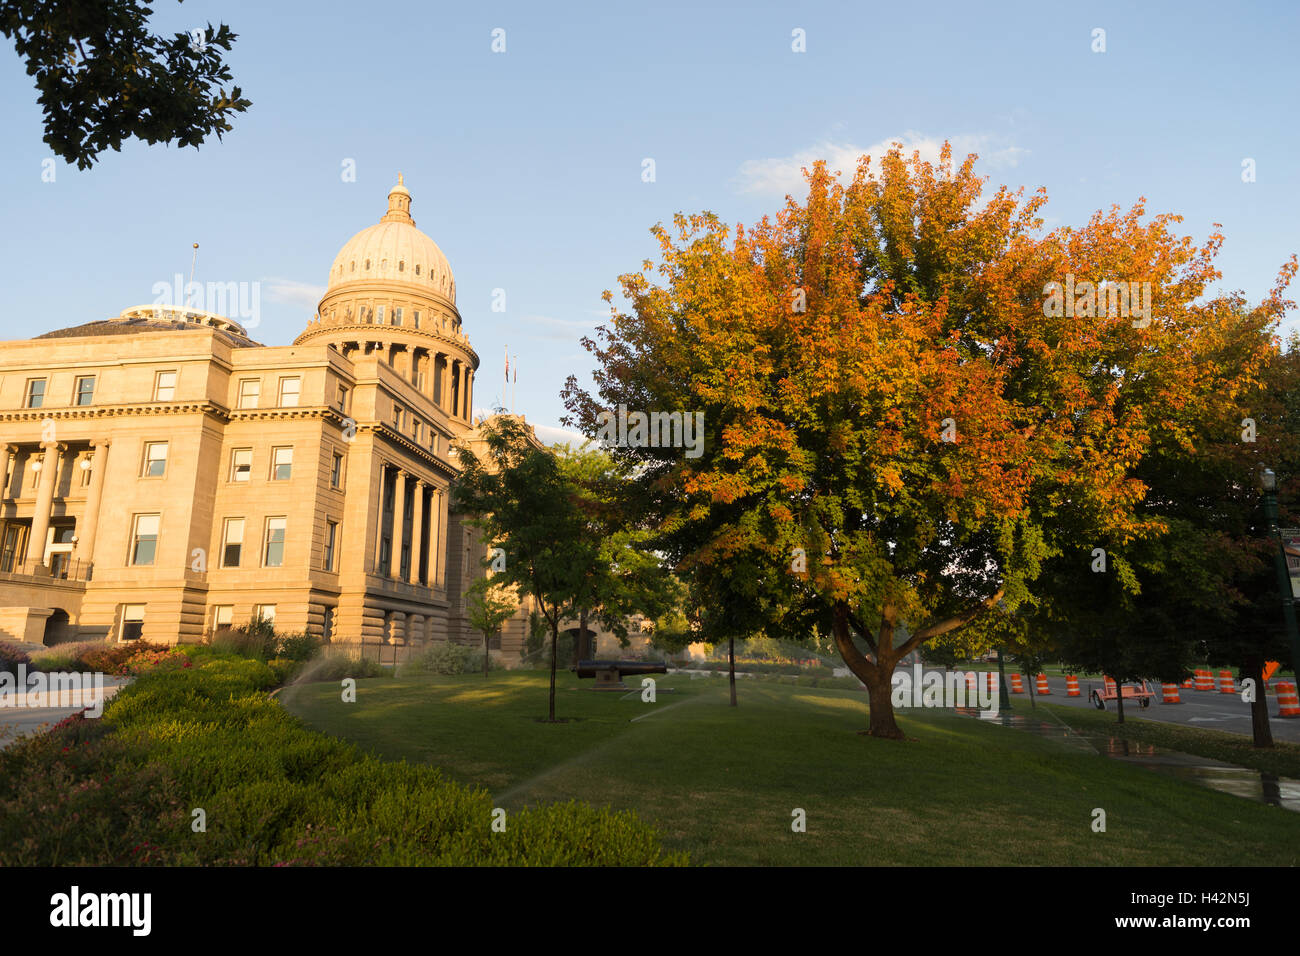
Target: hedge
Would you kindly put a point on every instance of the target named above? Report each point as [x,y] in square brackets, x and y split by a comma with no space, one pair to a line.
[122,789]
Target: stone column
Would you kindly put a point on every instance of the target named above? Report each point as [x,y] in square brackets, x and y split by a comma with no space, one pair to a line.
[469,393]
[441,538]
[7,454]
[44,501]
[417,533]
[399,522]
[89,523]
[379,521]
[444,382]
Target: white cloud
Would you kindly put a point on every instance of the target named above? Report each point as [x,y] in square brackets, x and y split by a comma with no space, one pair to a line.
[550,435]
[293,292]
[782,176]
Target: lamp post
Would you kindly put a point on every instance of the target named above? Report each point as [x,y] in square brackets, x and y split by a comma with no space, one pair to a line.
[1268,486]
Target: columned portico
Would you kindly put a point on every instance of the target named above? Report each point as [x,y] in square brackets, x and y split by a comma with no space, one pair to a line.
[417,535]
[44,501]
[90,518]
[399,524]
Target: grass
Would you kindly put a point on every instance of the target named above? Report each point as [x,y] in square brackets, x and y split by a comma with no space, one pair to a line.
[722,783]
[1283,759]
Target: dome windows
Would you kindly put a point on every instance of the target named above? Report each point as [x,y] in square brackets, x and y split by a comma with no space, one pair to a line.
[354,265]
[367,265]
[417,268]
[401,265]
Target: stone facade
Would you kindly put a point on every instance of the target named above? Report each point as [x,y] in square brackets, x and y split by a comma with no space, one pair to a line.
[164,475]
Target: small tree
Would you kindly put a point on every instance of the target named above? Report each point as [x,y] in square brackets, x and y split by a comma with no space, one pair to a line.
[488,607]
[523,503]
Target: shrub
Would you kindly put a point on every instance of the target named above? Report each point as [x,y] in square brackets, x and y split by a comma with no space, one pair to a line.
[447,657]
[119,790]
[11,657]
[299,647]
[256,639]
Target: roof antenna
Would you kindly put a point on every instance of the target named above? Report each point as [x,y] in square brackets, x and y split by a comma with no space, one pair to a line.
[193,260]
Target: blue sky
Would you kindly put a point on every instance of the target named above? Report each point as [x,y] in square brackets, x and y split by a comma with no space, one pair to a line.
[525,166]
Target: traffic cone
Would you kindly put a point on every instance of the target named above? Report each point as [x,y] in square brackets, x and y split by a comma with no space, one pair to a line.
[1042,688]
[1288,704]
[1225,683]
[1017,686]
[1072,686]
[1204,680]
[1169,694]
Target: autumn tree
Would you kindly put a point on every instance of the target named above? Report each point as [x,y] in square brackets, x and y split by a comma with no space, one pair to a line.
[900,427]
[103,76]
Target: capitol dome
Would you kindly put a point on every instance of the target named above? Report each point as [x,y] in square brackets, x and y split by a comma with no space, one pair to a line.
[394,250]
[391,296]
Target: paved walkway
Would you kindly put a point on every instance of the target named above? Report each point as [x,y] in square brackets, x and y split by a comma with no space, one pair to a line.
[43,711]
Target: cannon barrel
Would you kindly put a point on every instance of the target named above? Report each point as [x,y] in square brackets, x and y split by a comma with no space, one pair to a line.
[624,668]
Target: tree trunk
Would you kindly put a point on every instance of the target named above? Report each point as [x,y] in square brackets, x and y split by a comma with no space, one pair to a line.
[1259,726]
[877,676]
[580,650]
[485,654]
[731,667]
[1119,699]
[555,640]
[1029,682]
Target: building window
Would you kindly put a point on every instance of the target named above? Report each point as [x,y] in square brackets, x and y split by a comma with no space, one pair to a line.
[132,622]
[397,315]
[327,629]
[401,265]
[232,543]
[397,417]
[35,392]
[417,270]
[379,315]
[155,460]
[415,429]
[273,556]
[223,617]
[144,540]
[241,464]
[343,398]
[164,386]
[416,316]
[85,390]
[331,535]
[264,612]
[336,471]
[385,554]
[250,390]
[289,390]
[281,464]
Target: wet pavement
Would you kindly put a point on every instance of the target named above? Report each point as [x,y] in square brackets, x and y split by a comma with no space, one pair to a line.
[1256,785]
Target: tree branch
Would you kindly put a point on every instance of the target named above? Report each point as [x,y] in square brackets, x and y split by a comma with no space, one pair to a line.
[951,624]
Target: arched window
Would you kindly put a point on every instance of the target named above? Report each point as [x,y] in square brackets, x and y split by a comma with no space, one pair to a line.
[417,268]
[367,265]
[354,265]
[401,266]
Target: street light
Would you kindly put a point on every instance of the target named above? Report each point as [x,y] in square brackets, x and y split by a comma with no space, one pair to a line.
[1268,486]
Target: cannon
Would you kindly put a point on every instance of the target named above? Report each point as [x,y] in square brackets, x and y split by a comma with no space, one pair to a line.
[609,674]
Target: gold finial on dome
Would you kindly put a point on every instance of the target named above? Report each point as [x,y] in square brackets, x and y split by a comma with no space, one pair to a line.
[399,204]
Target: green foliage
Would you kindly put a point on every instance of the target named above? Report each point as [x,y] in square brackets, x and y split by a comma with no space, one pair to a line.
[299,647]
[104,77]
[120,790]
[445,657]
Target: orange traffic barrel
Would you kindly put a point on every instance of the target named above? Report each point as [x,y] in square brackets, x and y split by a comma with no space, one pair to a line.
[1225,683]
[1110,685]
[1042,688]
[970,682]
[1288,704]
[1072,686]
[1188,684]
[992,682]
[1169,694]
[1204,680]
[1017,686]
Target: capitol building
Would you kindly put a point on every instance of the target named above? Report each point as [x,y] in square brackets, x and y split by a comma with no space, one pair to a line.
[165,476]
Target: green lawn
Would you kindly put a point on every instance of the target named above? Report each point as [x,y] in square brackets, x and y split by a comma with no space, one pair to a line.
[722,783]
